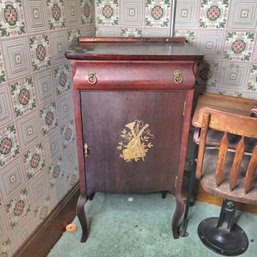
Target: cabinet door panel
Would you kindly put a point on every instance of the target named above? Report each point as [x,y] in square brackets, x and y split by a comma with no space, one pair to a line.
[133,139]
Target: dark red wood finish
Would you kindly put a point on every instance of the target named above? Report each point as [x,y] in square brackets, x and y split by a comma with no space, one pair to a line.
[106,170]
[134,75]
[131,39]
[135,81]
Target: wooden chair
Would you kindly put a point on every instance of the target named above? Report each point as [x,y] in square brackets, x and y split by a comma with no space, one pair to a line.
[227,169]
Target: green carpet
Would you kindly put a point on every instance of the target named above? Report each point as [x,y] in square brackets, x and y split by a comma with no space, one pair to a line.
[142,228]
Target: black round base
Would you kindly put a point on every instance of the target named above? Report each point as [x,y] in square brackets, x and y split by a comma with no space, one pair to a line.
[222,241]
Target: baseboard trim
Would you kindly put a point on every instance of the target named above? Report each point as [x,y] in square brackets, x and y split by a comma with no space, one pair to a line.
[51,229]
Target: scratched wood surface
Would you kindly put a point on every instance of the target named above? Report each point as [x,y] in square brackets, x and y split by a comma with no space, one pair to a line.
[225,172]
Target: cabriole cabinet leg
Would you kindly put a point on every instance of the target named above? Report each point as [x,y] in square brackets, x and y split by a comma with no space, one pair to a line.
[177,215]
[82,217]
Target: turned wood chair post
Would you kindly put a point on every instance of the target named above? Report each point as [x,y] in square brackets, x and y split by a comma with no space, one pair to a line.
[201,149]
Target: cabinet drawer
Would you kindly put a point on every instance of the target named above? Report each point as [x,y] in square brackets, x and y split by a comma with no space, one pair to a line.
[133,75]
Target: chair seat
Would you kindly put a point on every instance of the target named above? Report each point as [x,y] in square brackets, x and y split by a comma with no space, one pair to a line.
[208,181]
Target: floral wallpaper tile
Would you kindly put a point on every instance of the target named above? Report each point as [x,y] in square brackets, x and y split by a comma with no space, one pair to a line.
[17,208]
[23,230]
[2,70]
[48,115]
[188,34]
[87,7]
[107,12]
[58,192]
[252,82]
[39,48]
[131,32]
[23,96]
[214,13]
[68,133]
[11,18]
[70,165]
[9,145]
[157,13]
[249,94]
[28,113]
[56,14]
[34,160]
[239,45]
[208,72]
[5,248]
[73,36]
[230,92]
[62,77]
[42,210]
[73,177]
[55,171]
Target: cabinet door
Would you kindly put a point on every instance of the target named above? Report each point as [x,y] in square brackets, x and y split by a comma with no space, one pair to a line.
[133,139]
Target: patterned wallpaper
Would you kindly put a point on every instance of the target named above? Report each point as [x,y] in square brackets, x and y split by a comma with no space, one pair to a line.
[224,30]
[37,141]
[38,164]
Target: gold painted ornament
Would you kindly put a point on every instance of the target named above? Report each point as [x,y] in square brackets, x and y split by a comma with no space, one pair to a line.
[135,142]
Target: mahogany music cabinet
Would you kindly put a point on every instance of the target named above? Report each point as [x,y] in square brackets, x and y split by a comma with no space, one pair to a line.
[132,104]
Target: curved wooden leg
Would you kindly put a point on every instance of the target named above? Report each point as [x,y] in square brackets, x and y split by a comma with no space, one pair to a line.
[82,217]
[177,215]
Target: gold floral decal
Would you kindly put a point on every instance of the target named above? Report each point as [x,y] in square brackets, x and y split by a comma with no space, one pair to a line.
[135,141]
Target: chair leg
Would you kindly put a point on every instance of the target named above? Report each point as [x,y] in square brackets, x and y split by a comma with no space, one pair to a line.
[222,235]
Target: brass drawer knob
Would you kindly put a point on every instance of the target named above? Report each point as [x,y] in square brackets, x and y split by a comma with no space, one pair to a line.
[91,77]
[178,77]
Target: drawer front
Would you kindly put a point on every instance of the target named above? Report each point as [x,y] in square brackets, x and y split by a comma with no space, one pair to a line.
[133,75]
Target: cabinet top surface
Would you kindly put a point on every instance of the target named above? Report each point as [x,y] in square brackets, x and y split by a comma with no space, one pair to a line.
[133,50]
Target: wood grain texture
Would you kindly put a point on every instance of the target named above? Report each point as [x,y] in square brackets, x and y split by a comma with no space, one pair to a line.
[120,40]
[249,178]
[240,149]
[233,105]
[221,159]
[233,123]
[152,75]
[105,115]
[203,196]
[229,167]
[202,143]
[134,49]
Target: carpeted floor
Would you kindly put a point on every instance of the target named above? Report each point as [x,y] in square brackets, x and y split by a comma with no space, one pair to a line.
[142,228]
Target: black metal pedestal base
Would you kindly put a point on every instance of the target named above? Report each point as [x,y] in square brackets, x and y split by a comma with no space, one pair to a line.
[222,235]
[222,241]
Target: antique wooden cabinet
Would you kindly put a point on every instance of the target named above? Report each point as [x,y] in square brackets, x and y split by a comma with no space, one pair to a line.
[132,103]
